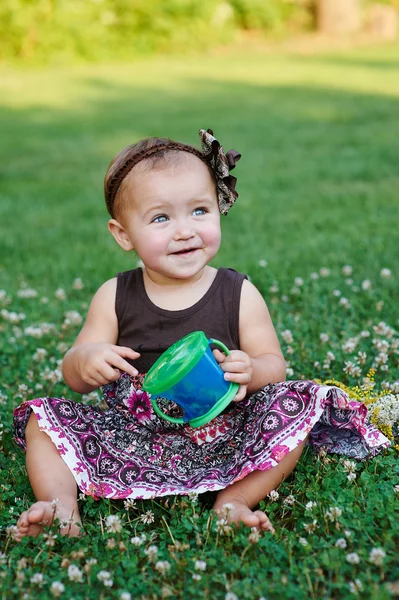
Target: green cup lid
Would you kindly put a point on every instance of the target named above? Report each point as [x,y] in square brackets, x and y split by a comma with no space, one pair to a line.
[175,362]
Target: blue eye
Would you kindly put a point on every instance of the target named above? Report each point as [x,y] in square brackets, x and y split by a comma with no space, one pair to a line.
[199,211]
[160,219]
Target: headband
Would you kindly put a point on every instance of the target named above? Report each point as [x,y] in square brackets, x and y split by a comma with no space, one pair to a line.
[212,154]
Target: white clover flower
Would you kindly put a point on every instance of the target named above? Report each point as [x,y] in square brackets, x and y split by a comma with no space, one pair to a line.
[4,298]
[324,272]
[11,530]
[333,513]
[37,578]
[196,577]
[223,527]
[396,489]
[289,500]
[384,330]
[60,294]
[295,290]
[148,517]
[347,270]
[78,284]
[341,543]
[287,336]
[298,281]
[344,302]
[40,354]
[310,527]
[353,558]
[231,596]
[284,298]
[347,533]
[352,369]
[162,566]
[137,541]
[314,276]
[113,524]
[57,588]
[324,337]
[12,317]
[366,285]
[355,586]
[310,505]
[262,262]
[254,536]
[289,372]
[377,556]
[386,273]
[351,476]
[72,317]
[273,495]
[303,541]
[151,551]
[337,293]
[350,345]
[386,409]
[129,503]
[75,574]
[274,288]
[379,306]
[27,293]
[200,565]
[103,575]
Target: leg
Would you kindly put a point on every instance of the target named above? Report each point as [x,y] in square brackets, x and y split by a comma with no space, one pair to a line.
[245,494]
[50,479]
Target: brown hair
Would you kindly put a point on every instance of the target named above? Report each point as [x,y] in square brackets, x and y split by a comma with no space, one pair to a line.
[151,149]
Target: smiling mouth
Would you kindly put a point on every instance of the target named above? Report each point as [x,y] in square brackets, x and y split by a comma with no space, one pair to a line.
[186,251]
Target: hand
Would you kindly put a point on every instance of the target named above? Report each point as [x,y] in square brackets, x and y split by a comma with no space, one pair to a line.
[101,363]
[237,367]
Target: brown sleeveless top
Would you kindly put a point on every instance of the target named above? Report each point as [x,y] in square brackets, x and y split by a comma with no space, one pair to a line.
[150,330]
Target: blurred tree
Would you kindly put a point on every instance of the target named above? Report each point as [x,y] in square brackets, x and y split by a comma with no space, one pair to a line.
[338,16]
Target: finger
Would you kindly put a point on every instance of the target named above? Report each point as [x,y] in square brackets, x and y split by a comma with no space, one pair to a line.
[243,378]
[120,363]
[220,357]
[235,367]
[109,372]
[126,352]
[240,395]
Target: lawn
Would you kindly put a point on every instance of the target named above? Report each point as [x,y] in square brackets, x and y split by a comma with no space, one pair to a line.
[316,229]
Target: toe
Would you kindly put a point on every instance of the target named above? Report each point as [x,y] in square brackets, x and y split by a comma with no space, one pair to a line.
[264,521]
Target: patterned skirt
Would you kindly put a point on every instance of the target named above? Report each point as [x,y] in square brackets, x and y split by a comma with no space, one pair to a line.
[127,451]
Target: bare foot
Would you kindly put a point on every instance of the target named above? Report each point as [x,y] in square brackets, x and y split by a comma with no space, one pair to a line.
[32,522]
[239,512]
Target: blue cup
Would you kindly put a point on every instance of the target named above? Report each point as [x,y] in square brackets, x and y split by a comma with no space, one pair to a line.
[189,375]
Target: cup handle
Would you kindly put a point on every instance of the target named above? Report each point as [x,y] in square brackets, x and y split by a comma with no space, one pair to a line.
[161,414]
[221,346]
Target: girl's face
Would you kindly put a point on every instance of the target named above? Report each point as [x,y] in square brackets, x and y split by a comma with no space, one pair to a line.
[172,220]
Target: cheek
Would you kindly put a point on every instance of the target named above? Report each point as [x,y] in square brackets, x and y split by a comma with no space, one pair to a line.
[212,235]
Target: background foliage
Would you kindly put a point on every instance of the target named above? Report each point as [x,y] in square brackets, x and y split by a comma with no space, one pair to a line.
[44,30]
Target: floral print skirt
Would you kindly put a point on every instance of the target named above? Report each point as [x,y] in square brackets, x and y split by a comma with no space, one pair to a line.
[127,451]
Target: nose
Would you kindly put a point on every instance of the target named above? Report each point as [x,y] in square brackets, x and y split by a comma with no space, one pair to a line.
[184,230]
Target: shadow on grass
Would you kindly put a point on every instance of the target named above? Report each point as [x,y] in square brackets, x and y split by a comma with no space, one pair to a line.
[316,179]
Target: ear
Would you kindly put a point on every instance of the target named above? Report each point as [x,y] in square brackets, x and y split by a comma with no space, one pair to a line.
[119,233]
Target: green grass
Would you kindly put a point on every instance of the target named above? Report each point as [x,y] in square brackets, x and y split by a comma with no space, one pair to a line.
[318,186]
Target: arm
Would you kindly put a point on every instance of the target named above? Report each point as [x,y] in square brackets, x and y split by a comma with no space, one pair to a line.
[259,360]
[94,359]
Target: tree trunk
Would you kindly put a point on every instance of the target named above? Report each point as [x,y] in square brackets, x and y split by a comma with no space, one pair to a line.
[336,17]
